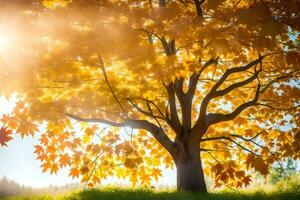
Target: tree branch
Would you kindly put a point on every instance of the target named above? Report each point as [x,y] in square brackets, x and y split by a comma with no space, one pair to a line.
[234,86]
[203,108]
[198,7]
[275,108]
[231,140]
[174,119]
[195,77]
[149,114]
[213,118]
[156,132]
[186,99]
[107,82]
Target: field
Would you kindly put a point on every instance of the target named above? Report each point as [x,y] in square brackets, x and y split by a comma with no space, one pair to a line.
[126,194]
[286,189]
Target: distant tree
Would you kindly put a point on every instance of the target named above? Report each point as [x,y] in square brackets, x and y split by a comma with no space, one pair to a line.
[283,170]
[8,188]
[209,86]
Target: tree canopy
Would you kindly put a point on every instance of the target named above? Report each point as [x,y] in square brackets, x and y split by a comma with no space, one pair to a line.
[163,78]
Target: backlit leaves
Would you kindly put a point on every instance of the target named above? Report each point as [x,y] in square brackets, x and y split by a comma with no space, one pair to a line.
[258,164]
[143,50]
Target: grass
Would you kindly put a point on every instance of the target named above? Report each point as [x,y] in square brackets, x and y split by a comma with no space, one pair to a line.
[288,189]
[127,194]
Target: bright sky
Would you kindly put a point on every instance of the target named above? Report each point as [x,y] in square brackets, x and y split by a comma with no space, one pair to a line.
[18,163]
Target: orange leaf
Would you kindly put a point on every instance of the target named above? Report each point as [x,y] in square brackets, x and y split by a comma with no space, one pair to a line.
[64,160]
[156,173]
[246,180]
[54,169]
[5,136]
[74,172]
[38,149]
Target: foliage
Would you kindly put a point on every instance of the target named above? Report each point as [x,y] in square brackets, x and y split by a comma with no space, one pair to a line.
[5,136]
[220,78]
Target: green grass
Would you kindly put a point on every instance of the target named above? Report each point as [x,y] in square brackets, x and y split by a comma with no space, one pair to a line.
[127,194]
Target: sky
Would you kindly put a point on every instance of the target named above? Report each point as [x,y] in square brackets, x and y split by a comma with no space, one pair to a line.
[18,163]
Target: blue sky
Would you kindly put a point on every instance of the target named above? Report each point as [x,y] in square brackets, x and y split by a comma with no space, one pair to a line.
[18,163]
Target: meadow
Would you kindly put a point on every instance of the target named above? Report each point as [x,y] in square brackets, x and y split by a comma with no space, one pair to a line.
[126,194]
[282,190]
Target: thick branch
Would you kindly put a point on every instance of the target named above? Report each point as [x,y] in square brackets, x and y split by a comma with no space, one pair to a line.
[235,70]
[156,132]
[198,7]
[169,46]
[174,119]
[213,118]
[195,77]
[234,86]
[186,99]
[185,106]
[203,108]
[149,114]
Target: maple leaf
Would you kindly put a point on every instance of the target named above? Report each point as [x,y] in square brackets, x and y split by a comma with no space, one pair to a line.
[43,157]
[224,177]
[217,184]
[217,169]
[84,170]
[53,168]
[38,149]
[146,179]
[10,121]
[46,166]
[239,174]
[156,173]
[26,128]
[258,164]
[95,179]
[5,136]
[246,180]
[74,173]
[44,139]
[131,162]
[64,160]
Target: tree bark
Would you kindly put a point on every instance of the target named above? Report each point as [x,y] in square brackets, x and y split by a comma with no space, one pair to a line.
[190,176]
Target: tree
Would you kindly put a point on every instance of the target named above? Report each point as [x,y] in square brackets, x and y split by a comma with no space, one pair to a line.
[283,171]
[210,86]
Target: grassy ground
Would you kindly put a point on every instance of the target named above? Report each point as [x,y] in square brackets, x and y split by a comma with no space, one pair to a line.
[124,194]
[288,189]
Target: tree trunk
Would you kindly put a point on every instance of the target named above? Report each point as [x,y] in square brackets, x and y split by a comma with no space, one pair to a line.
[190,175]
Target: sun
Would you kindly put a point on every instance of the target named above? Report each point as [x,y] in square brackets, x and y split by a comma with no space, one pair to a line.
[9,45]
[7,37]
[4,43]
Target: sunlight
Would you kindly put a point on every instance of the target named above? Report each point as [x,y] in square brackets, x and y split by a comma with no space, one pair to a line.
[3,43]
[7,41]
[201,96]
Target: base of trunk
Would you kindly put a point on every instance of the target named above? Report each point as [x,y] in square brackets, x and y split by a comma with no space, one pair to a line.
[190,176]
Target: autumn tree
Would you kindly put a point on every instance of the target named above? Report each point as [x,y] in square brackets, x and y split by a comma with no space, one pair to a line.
[209,86]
